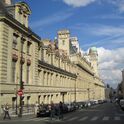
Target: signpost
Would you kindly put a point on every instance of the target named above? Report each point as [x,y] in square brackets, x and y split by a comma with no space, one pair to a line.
[20,92]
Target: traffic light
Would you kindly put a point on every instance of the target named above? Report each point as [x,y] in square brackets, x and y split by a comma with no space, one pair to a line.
[22,85]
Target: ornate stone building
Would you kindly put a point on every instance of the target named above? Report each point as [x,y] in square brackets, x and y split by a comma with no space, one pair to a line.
[49,70]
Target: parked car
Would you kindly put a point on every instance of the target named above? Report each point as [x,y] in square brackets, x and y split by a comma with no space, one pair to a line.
[122,103]
[43,111]
[95,102]
[70,107]
[65,108]
[82,104]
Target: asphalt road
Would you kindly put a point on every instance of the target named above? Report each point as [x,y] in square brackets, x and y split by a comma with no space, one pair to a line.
[107,113]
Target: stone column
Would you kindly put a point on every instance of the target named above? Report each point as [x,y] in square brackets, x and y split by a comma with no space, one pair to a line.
[56,80]
[60,81]
[53,79]
[39,78]
[42,77]
[63,81]
[48,78]
[45,78]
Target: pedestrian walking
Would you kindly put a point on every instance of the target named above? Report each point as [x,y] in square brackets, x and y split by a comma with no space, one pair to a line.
[52,110]
[57,111]
[6,111]
[36,107]
[60,110]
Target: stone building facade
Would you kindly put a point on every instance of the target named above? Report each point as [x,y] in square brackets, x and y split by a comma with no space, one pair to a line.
[49,70]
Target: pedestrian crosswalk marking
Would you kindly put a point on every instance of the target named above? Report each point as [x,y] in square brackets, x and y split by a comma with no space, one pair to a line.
[94,118]
[84,118]
[67,117]
[72,119]
[105,118]
[38,119]
[32,119]
[117,118]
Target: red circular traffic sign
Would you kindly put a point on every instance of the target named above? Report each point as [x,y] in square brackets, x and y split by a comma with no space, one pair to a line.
[20,92]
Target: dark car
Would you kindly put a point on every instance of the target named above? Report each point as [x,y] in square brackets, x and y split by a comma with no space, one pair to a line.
[43,111]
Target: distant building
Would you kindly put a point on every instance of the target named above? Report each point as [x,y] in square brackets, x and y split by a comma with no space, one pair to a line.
[107,92]
[122,83]
[119,91]
[120,87]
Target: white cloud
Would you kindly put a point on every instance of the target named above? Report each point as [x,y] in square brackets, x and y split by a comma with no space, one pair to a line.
[111,65]
[109,16]
[106,30]
[100,29]
[78,3]
[57,17]
[117,3]
[110,36]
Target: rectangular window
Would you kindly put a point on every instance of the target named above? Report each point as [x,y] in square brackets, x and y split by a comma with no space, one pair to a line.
[14,42]
[28,73]
[13,71]
[28,49]
[22,45]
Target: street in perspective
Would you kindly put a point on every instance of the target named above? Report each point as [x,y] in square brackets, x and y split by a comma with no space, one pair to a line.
[61,61]
[101,113]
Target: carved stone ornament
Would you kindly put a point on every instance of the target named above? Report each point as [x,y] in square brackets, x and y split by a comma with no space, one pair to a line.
[57,53]
[22,60]
[14,57]
[49,50]
[28,62]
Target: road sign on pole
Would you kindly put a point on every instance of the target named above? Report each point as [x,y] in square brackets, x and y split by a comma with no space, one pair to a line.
[20,92]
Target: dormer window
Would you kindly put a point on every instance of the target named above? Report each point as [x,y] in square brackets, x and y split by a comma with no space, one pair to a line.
[22,11]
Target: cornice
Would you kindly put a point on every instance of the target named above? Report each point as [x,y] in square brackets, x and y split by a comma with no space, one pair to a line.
[56,69]
[85,69]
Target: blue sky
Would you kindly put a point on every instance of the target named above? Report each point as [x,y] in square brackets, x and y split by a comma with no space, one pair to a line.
[97,23]
[92,22]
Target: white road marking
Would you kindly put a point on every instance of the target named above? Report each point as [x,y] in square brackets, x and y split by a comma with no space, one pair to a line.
[117,118]
[84,118]
[105,119]
[35,119]
[71,119]
[94,118]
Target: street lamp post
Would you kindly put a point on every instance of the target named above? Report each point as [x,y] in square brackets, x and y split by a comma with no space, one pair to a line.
[88,90]
[21,73]
[16,91]
[16,101]
[75,87]
[75,90]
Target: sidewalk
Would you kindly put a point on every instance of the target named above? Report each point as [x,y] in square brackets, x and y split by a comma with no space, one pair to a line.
[24,116]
